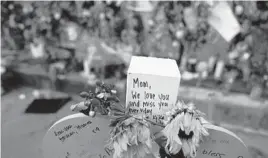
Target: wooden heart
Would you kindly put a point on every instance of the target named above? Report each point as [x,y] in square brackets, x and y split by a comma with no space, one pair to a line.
[78,136]
[222,143]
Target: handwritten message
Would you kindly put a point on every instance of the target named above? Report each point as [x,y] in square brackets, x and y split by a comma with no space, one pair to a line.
[108,152]
[70,130]
[144,100]
[213,153]
[78,136]
[152,87]
[221,143]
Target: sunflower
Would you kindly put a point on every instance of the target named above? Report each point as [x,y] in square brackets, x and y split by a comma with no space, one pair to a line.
[131,138]
[184,129]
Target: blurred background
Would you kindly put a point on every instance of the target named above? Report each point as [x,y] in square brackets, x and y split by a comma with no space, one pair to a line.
[51,51]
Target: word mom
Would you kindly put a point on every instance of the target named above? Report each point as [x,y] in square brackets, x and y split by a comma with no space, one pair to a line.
[140,84]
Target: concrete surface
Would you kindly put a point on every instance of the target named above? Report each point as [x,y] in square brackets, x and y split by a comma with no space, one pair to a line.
[22,133]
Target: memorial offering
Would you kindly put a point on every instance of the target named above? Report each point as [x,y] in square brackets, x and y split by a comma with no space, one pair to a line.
[184,129]
[131,137]
[100,100]
[182,132]
[152,86]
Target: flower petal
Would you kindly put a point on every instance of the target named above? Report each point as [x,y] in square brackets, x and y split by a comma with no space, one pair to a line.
[101,95]
[185,148]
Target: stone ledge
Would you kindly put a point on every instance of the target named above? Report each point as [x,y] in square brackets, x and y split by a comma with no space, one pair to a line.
[251,131]
[217,96]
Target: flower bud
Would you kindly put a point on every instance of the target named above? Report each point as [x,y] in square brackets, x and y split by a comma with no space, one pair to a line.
[92,113]
[113,91]
[239,10]
[101,95]
[84,94]
[179,34]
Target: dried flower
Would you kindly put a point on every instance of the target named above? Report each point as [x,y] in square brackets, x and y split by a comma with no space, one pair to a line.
[131,138]
[84,94]
[92,113]
[184,129]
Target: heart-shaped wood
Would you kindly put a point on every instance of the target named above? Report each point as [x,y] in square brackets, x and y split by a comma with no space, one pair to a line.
[222,143]
[78,136]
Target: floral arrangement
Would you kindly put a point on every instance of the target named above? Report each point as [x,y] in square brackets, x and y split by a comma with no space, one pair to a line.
[184,129]
[131,135]
[100,100]
[131,138]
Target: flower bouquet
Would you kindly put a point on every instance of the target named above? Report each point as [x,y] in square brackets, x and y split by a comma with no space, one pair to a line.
[132,135]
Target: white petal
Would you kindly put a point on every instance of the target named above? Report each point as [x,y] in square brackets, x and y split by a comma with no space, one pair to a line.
[193,124]
[187,120]
[180,117]
[101,95]
[178,140]
[193,151]
[117,149]
[113,91]
[177,147]
[181,126]
[187,130]
[186,149]
[204,131]
[122,144]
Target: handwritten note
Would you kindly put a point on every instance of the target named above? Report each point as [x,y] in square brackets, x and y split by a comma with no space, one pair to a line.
[78,136]
[152,86]
[222,143]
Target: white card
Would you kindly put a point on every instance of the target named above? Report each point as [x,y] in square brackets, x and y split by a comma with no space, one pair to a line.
[152,86]
[224,21]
